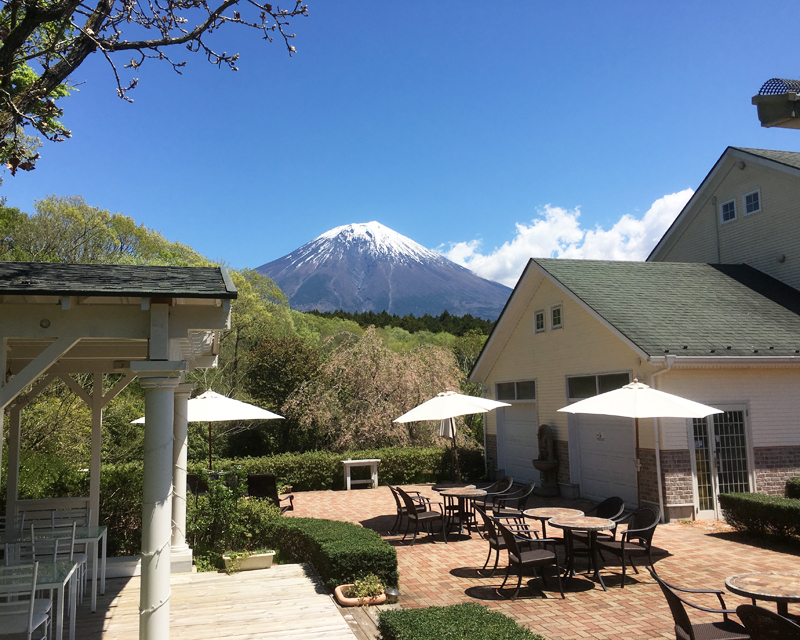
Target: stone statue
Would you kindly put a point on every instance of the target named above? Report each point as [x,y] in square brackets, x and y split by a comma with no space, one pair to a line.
[546,443]
[546,464]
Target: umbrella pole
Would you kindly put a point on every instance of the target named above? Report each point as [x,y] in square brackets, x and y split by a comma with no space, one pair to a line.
[209,447]
[638,465]
[455,451]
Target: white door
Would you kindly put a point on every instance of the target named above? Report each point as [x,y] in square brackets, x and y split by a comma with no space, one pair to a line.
[520,446]
[607,458]
[720,459]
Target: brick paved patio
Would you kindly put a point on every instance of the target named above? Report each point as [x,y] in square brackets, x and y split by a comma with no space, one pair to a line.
[432,573]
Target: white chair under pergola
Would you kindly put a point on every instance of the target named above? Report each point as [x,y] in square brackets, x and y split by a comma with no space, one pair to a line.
[154,323]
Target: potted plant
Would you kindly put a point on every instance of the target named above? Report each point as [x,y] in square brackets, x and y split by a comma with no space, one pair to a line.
[248,560]
[364,591]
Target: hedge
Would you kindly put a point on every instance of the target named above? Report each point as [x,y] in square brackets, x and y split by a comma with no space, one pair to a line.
[339,551]
[793,488]
[322,470]
[759,514]
[456,622]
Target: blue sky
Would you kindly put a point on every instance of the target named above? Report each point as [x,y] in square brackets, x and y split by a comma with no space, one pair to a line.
[490,131]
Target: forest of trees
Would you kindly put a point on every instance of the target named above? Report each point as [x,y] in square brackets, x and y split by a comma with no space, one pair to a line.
[339,383]
[456,325]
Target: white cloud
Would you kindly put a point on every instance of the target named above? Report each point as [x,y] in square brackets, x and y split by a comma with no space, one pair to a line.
[557,233]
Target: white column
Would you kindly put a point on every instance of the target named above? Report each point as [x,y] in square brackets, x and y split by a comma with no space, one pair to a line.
[181,553]
[159,380]
[14,434]
[97,445]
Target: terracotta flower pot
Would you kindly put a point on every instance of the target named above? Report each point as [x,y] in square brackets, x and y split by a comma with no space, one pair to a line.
[354,602]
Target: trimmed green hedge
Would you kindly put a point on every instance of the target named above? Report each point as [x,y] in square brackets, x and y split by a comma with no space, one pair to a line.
[758,514]
[339,551]
[793,488]
[322,470]
[456,622]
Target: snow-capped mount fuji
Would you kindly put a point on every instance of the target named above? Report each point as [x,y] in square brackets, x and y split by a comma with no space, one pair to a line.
[369,267]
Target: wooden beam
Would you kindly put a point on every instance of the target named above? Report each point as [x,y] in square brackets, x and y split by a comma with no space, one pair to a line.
[11,389]
[78,390]
[24,401]
[117,388]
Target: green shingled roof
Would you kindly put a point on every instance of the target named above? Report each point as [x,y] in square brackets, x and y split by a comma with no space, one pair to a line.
[47,278]
[687,309]
[789,158]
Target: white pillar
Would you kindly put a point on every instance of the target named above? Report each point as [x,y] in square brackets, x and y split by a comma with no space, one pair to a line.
[97,446]
[159,380]
[181,553]
[12,482]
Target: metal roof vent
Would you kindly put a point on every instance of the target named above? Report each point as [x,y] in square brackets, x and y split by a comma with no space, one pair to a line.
[778,103]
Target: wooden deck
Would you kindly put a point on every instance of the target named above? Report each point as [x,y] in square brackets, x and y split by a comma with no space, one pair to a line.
[285,601]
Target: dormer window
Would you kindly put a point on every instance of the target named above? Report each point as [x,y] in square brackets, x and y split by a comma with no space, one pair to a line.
[752,202]
[556,321]
[538,321]
[727,211]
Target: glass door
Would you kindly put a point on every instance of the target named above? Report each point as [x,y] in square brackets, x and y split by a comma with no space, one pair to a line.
[720,459]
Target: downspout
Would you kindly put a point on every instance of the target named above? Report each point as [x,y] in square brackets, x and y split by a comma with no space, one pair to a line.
[670,361]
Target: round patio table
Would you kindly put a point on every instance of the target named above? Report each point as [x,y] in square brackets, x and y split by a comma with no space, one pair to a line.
[583,523]
[774,586]
[545,513]
[465,515]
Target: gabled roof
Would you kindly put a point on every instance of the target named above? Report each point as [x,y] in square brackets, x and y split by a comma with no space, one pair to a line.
[786,161]
[669,308]
[47,278]
[687,309]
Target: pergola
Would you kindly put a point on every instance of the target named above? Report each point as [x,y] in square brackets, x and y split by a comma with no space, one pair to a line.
[154,323]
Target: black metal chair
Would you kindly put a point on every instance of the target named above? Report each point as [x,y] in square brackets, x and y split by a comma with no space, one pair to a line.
[265,485]
[495,539]
[513,503]
[763,624]
[635,541]
[426,517]
[527,551]
[685,630]
[196,485]
[611,509]
[500,487]
[401,507]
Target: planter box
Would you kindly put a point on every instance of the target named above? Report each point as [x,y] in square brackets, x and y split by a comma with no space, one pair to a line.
[255,561]
[354,602]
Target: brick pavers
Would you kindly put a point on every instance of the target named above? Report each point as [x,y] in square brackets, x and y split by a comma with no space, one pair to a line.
[434,573]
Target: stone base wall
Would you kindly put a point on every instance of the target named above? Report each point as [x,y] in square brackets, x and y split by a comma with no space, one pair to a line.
[676,468]
[562,455]
[774,466]
[491,453]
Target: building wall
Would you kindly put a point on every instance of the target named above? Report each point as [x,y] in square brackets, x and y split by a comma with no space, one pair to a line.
[774,466]
[757,239]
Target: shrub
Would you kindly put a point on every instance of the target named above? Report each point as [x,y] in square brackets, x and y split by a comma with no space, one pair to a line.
[758,514]
[793,488]
[341,552]
[456,622]
[121,507]
[322,470]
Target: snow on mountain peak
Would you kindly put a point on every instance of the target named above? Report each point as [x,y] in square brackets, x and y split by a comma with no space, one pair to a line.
[368,237]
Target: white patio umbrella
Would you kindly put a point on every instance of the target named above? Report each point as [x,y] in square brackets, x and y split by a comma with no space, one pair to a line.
[213,407]
[637,400]
[446,406]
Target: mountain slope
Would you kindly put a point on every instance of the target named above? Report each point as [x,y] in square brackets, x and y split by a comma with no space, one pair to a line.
[369,267]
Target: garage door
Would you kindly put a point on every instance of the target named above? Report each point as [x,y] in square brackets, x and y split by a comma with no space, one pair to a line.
[518,425]
[607,454]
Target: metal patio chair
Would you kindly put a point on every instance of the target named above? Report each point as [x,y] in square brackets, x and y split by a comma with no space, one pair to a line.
[528,551]
[426,518]
[635,541]
[763,624]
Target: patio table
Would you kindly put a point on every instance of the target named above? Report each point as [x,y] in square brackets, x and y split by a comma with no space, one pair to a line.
[55,576]
[545,513]
[591,525]
[774,586]
[465,515]
[92,536]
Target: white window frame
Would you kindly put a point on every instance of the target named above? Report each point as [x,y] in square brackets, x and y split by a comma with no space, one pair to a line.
[721,205]
[544,321]
[515,382]
[744,202]
[560,308]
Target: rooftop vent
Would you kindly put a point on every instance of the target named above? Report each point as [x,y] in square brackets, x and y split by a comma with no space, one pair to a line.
[778,103]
